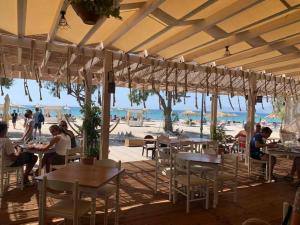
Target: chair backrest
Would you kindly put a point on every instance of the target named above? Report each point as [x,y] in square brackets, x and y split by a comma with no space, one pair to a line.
[180,166]
[287,136]
[211,148]
[59,190]
[149,137]
[109,163]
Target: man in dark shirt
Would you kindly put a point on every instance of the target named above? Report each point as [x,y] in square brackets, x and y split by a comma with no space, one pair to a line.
[14,117]
[257,142]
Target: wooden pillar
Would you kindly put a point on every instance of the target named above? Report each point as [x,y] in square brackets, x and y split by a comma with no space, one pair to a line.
[214,112]
[251,112]
[87,103]
[108,64]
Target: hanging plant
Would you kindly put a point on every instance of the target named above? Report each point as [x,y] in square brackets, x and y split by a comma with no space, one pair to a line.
[90,11]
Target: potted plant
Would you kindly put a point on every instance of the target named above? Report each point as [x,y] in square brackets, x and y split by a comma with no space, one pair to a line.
[90,127]
[90,11]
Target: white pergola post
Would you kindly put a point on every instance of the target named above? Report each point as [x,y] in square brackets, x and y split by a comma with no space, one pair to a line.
[87,103]
[251,114]
[108,60]
[214,112]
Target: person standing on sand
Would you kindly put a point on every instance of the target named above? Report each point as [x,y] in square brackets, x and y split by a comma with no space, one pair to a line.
[14,117]
[38,119]
[27,136]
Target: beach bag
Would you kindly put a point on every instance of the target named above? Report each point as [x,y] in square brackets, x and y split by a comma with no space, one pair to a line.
[41,118]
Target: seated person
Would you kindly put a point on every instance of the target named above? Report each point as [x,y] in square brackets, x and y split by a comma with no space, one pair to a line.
[257,142]
[257,128]
[295,168]
[63,125]
[13,156]
[241,137]
[59,143]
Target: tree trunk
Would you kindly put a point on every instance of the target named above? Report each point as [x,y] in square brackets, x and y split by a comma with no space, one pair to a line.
[167,110]
[168,120]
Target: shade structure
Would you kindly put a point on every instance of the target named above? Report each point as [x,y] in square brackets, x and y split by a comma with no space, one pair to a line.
[263,43]
[6,106]
[222,114]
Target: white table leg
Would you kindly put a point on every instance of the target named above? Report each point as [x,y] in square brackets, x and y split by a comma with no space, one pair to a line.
[41,216]
[117,204]
[215,202]
[93,211]
[269,169]
[40,155]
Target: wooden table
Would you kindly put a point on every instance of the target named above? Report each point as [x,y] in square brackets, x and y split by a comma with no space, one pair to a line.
[212,161]
[90,179]
[283,151]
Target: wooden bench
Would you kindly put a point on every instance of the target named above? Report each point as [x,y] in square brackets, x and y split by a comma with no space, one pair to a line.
[129,142]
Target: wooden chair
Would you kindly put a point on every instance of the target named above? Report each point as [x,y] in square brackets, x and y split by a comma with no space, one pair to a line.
[6,171]
[71,155]
[109,189]
[149,146]
[68,204]
[193,187]
[163,162]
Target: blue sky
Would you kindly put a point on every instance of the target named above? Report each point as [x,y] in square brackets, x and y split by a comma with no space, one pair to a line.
[17,96]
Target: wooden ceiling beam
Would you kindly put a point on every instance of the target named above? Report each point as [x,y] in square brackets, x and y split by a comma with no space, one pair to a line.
[245,35]
[272,60]
[22,9]
[163,16]
[283,68]
[207,23]
[276,45]
[176,23]
[133,20]
[261,21]
[63,5]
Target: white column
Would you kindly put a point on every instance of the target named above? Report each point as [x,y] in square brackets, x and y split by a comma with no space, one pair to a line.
[108,63]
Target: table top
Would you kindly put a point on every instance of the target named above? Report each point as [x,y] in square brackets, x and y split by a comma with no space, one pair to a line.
[198,157]
[92,176]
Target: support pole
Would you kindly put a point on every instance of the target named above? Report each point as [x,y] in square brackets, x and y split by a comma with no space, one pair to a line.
[251,114]
[108,60]
[202,117]
[214,111]
[87,103]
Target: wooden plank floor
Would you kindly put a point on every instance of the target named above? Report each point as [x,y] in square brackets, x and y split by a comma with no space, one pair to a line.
[140,206]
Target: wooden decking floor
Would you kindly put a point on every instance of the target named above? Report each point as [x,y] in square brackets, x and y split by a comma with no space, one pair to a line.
[140,206]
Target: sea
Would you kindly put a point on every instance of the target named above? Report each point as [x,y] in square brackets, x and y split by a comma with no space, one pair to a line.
[156,114]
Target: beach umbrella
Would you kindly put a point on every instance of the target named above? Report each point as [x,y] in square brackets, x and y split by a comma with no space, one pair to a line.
[273,116]
[6,115]
[190,113]
[222,114]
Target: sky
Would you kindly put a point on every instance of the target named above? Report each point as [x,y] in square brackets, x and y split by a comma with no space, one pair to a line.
[17,96]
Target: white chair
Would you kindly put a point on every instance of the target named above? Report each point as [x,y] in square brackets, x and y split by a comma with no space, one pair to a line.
[163,162]
[259,165]
[193,187]
[109,189]
[211,148]
[71,155]
[228,174]
[68,204]
[5,173]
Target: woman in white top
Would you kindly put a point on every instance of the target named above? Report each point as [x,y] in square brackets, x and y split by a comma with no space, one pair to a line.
[59,143]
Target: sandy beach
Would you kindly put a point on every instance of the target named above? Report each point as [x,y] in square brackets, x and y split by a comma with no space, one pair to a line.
[120,152]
